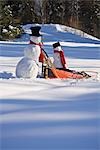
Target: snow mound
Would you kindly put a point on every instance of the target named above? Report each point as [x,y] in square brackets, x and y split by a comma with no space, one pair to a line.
[63,28]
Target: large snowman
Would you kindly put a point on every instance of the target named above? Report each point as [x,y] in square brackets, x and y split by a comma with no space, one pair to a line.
[28,66]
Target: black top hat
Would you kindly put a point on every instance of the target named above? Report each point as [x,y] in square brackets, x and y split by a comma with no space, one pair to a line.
[56,45]
[35,31]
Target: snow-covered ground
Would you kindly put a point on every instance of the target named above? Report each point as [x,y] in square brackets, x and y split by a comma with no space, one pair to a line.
[45,114]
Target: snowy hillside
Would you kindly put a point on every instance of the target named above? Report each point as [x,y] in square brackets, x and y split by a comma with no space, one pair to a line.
[50,114]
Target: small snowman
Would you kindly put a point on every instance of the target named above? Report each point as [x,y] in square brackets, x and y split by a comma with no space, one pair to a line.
[59,58]
[28,66]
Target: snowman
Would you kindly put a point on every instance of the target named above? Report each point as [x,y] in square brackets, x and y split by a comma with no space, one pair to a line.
[28,66]
[59,58]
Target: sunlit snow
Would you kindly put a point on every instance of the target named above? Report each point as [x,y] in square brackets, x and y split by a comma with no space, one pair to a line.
[51,114]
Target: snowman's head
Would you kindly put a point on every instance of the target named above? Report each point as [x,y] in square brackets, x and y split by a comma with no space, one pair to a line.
[36,39]
[35,36]
[57,46]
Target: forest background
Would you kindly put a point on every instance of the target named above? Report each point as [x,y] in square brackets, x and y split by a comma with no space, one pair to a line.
[80,14]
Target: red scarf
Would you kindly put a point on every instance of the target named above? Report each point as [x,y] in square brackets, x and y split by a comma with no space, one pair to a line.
[41,57]
[63,61]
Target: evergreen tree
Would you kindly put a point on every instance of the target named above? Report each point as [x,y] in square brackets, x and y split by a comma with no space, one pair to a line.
[88,16]
[27,13]
[5,14]
[54,11]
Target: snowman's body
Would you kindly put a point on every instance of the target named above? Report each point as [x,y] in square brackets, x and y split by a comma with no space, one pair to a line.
[33,52]
[59,59]
[27,67]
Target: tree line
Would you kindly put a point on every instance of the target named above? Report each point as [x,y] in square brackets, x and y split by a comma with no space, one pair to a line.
[80,14]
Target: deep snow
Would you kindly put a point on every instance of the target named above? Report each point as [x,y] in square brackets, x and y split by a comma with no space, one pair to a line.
[44,114]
